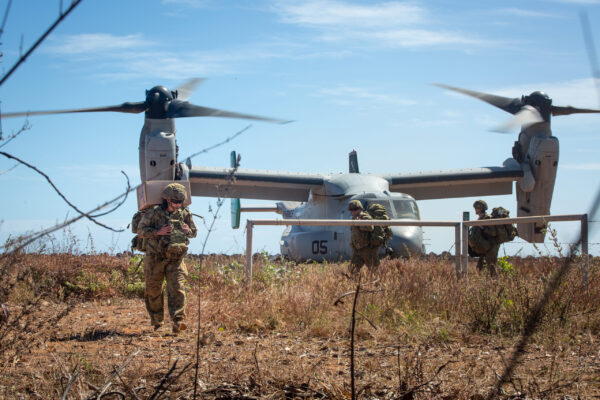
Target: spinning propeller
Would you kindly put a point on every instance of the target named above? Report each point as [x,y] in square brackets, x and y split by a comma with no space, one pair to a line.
[527,110]
[160,103]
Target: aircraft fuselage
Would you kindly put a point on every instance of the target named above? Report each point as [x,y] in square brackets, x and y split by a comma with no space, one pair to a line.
[332,243]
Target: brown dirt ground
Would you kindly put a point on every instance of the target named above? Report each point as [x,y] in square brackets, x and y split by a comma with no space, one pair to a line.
[98,336]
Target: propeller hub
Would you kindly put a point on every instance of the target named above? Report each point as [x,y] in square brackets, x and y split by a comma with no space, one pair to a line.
[541,101]
[157,101]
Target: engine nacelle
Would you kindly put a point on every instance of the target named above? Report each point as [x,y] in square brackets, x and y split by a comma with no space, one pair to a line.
[158,150]
[541,158]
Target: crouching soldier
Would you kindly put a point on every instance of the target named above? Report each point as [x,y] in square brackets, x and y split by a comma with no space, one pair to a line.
[362,251]
[166,229]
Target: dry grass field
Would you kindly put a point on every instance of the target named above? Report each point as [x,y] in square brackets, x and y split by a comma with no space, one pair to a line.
[74,327]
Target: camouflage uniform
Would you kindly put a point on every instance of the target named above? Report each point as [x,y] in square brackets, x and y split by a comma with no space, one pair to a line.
[362,252]
[489,259]
[164,258]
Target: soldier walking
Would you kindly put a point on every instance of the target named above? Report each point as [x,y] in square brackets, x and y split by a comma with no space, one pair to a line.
[362,251]
[166,229]
[482,240]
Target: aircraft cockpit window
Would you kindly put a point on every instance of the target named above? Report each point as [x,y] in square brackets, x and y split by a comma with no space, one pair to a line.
[406,209]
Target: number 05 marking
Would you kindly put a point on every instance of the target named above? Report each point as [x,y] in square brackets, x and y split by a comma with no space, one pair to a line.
[319,247]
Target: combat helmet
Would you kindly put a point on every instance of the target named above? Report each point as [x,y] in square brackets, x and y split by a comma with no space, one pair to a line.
[355,205]
[481,205]
[174,191]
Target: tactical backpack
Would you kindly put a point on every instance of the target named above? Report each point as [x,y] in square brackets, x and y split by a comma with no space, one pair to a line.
[380,234]
[137,243]
[478,243]
[507,232]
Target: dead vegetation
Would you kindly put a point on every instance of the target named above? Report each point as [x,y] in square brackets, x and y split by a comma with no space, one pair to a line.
[75,327]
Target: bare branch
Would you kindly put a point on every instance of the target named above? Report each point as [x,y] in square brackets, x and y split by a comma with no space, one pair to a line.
[115,373]
[121,202]
[39,41]
[9,169]
[222,192]
[533,320]
[5,17]
[73,206]
[24,241]
[352,384]
[26,126]
[227,140]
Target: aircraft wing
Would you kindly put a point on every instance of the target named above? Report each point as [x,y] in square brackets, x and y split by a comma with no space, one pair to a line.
[457,183]
[253,184]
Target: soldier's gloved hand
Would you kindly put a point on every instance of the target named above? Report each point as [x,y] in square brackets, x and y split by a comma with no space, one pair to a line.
[185,228]
[164,230]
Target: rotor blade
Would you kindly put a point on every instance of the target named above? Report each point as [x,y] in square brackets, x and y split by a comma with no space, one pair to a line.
[186,89]
[557,110]
[527,116]
[183,109]
[133,108]
[504,103]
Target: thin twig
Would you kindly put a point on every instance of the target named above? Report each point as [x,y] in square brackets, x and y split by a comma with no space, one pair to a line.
[368,320]
[71,380]
[416,388]
[26,126]
[352,384]
[339,300]
[127,387]
[118,204]
[24,241]
[22,59]
[73,206]
[222,191]
[163,380]
[9,169]
[197,366]
[534,318]
[115,373]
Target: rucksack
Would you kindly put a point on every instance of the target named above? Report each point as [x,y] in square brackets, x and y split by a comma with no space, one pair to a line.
[137,243]
[478,243]
[380,234]
[507,232]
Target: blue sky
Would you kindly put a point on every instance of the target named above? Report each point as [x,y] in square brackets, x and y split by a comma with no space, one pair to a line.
[351,74]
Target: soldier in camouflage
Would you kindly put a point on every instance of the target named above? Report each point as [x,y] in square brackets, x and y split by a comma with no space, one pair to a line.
[362,252]
[489,259]
[166,229]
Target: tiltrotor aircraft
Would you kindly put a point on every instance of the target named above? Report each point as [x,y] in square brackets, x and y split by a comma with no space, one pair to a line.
[533,167]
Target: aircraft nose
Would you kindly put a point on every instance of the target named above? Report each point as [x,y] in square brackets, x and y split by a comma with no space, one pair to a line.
[406,240]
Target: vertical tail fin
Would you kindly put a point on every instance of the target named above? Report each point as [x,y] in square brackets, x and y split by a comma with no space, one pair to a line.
[353,162]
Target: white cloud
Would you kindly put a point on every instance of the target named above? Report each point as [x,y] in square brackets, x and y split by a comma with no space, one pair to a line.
[329,13]
[93,43]
[419,38]
[129,56]
[391,24]
[519,12]
[356,95]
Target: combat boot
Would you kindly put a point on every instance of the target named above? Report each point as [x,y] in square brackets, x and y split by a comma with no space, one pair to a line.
[179,326]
